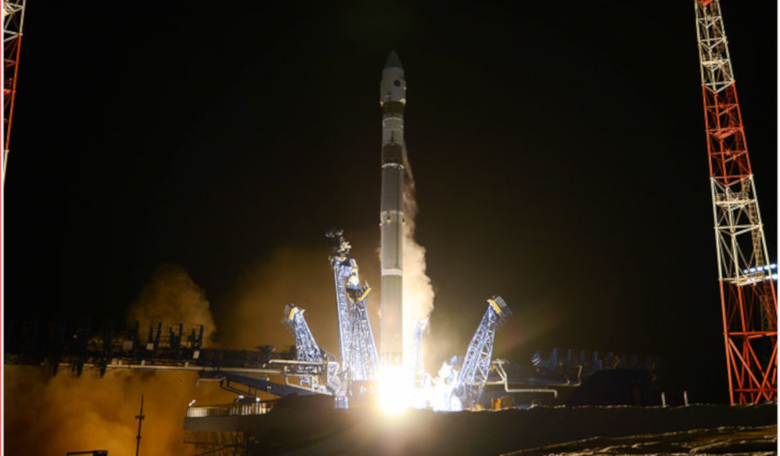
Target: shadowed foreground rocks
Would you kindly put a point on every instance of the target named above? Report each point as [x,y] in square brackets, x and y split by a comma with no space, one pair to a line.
[740,440]
[338,432]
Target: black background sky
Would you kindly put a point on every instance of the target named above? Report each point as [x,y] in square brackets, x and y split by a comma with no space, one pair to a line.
[558,149]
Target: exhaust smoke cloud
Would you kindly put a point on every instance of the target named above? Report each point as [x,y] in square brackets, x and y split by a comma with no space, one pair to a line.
[89,413]
[55,415]
[251,314]
[171,297]
[417,288]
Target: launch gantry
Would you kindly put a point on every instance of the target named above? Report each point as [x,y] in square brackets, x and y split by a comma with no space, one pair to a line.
[418,362]
[476,365]
[307,350]
[357,347]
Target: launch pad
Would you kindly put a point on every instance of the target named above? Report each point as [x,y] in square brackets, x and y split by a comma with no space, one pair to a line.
[390,373]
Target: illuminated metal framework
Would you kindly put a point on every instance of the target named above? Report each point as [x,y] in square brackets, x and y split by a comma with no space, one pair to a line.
[306,348]
[748,295]
[13,23]
[476,365]
[82,347]
[418,362]
[357,346]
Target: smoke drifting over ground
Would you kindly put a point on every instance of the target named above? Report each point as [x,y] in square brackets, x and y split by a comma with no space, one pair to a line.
[86,413]
[79,414]
[54,415]
[171,297]
[251,314]
[417,289]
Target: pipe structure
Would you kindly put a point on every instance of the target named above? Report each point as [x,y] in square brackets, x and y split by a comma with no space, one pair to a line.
[499,363]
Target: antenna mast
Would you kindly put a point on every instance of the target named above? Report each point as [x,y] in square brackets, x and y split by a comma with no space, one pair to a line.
[747,288]
[13,22]
[140,417]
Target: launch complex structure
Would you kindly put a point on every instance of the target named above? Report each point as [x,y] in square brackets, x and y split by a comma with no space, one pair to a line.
[746,277]
[396,370]
[363,372]
[360,375]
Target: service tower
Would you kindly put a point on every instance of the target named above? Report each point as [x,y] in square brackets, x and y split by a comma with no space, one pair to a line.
[392,99]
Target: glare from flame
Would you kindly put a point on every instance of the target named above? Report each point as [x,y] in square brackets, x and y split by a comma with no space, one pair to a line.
[396,390]
[442,393]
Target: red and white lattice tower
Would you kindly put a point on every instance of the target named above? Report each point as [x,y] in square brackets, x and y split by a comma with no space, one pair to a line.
[13,21]
[748,295]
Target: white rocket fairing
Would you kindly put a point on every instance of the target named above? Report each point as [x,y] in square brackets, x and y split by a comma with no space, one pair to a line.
[392,99]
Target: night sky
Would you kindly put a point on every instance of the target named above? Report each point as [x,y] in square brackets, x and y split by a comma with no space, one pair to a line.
[558,151]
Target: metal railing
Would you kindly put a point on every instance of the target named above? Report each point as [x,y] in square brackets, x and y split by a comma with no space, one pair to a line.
[245,409]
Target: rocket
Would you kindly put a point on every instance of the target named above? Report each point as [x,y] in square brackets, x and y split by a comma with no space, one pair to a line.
[392,99]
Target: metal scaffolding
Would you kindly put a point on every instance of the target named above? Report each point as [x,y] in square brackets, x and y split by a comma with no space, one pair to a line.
[306,348]
[357,346]
[13,24]
[476,365]
[748,295]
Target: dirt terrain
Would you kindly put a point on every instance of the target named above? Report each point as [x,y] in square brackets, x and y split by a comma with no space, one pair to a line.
[759,440]
[695,429]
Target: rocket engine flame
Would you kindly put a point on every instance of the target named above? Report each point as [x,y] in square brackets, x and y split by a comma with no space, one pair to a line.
[395,389]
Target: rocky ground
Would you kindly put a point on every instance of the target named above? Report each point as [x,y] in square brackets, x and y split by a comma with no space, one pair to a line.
[735,440]
[695,429]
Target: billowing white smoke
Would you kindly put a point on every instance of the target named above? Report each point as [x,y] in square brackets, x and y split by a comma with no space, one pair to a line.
[417,288]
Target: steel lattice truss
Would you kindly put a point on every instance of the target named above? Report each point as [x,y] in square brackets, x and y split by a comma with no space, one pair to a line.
[306,347]
[357,346]
[476,365]
[13,22]
[418,362]
[748,295]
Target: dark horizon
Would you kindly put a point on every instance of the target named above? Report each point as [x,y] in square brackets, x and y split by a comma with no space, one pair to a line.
[558,153]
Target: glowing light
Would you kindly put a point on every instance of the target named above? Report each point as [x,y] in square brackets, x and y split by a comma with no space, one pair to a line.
[442,398]
[767,268]
[395,389]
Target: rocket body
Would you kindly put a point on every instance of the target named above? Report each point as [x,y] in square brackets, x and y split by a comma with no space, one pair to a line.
[392,100]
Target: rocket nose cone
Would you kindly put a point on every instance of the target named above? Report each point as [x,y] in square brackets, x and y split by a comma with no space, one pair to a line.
[393,61]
